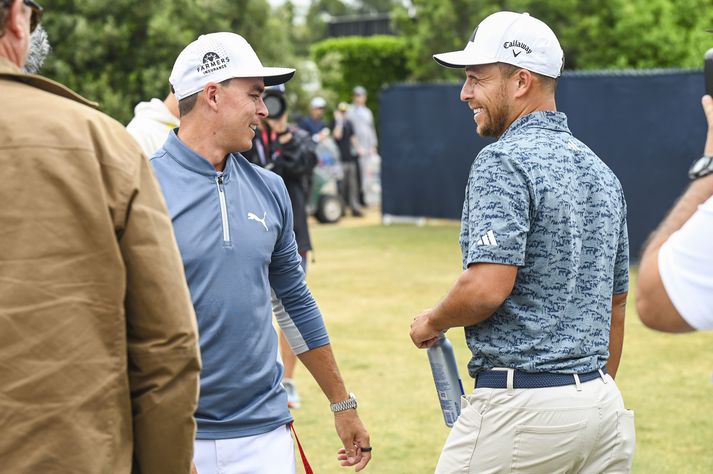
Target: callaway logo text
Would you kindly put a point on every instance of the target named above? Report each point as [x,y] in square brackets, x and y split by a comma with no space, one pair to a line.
[253,217]
[517,44]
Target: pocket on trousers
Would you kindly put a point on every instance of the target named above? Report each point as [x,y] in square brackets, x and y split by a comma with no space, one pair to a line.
[459,447]
[623,452]
[547,449]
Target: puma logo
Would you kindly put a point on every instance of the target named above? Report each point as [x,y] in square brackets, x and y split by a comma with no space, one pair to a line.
[516,54]
[253,217]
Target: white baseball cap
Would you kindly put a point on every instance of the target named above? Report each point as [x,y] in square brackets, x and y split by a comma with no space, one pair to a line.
[318,103]
[511,38]
[216,57]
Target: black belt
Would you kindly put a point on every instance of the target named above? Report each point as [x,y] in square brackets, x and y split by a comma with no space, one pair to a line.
[498,379]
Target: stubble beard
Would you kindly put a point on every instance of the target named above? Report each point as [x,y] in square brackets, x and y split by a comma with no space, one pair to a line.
[496,117]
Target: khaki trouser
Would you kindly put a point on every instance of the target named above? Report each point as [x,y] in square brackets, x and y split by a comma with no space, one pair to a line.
[542,431]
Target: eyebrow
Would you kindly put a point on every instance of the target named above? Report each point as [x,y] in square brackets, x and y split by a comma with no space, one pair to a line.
[259,89]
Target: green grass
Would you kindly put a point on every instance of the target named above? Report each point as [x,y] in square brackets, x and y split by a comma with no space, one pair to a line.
[371,280]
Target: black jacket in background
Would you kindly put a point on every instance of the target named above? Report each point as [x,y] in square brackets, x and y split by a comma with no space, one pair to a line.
[294,161]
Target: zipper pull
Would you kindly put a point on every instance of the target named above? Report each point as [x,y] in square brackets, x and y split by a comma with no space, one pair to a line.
[220,179]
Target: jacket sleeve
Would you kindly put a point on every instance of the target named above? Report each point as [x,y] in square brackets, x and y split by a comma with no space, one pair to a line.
[163,356]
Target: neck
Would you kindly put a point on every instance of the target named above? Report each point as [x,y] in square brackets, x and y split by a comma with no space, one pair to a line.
[546,103]
[202,140]
[10,53]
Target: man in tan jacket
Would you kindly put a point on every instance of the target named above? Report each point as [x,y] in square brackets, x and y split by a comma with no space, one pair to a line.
[99,362]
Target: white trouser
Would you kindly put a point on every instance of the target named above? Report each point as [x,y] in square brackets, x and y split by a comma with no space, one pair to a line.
[268,453]
[542,431]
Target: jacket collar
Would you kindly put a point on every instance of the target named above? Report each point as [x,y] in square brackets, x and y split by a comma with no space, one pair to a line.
[547,119]
[192,161]
[10,71]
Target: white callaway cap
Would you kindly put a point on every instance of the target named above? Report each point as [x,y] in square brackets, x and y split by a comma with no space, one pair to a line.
[216,57]
[511,38]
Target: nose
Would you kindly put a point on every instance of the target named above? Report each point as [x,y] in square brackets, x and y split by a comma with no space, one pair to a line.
[261,109]
[466,92]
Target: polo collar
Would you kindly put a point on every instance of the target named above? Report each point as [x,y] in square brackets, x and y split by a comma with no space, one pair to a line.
[192,161]
[546,119]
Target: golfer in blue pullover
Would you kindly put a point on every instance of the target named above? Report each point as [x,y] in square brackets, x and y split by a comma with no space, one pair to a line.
[233,224]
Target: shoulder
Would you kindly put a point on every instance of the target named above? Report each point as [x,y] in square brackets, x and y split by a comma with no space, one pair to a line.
[69,123]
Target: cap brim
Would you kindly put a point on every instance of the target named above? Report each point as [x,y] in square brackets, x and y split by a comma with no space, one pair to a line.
[459,59]
[274,76]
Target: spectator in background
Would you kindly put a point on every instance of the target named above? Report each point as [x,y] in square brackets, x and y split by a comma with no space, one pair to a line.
[98,339]
[366,147]
[233,223]
[152,121]
[675,284]
[343,133]
[314,124]
[287,151]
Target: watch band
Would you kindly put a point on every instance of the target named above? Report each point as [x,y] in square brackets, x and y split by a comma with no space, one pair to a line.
[701,167]
[347,404]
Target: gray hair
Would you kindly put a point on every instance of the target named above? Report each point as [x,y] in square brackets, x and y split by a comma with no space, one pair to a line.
[37,50]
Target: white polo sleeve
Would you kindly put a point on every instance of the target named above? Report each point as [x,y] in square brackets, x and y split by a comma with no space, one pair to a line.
[686,268]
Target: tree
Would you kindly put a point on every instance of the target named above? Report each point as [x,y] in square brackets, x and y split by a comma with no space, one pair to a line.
[119,52]
[595,34]
[371,62]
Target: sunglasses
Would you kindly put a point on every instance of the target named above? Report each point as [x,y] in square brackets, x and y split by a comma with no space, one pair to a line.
[36,13]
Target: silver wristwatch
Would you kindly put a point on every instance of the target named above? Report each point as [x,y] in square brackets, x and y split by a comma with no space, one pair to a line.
[347,404]
[701,167]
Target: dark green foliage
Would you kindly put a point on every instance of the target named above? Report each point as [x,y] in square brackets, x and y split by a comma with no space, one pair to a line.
[595,34]
[372,62]
[120,52]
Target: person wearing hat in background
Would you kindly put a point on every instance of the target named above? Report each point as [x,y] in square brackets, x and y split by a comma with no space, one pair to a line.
[545,273]
[366,147]
[98,338]
[234,227]
[314,122]
[343,133]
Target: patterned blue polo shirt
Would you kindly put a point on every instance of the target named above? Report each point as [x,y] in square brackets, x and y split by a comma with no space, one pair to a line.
[540,199]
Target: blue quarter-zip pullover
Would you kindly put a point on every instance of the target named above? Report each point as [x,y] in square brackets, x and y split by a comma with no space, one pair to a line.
[234,231]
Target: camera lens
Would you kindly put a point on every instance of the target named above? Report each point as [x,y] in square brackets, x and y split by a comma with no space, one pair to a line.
[275,105]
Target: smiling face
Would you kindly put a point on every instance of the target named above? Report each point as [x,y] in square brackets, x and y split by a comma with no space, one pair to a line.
[486,92]
[241,110]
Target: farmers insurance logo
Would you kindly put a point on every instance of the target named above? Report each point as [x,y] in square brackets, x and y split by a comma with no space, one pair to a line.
[517,44]
[212,62]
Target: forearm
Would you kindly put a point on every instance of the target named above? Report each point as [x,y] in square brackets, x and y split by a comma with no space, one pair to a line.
[321,364]
[616,335]
[697,193]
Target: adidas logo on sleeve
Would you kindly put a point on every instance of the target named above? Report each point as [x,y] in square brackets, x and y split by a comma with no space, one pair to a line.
[488,239]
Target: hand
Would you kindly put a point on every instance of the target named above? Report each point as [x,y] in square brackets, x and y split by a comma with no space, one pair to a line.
[423,333]
[193,468]
[707,102]
[354,437]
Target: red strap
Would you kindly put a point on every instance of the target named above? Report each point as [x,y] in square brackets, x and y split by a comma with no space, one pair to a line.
[305,462]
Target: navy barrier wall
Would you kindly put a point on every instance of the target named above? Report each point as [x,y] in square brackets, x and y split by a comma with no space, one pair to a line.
[647,126]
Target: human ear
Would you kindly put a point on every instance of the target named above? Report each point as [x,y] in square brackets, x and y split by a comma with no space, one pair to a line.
[211,93]
[524,80]
[17,20]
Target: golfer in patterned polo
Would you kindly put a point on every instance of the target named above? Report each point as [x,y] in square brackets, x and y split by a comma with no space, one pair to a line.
[545,273]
